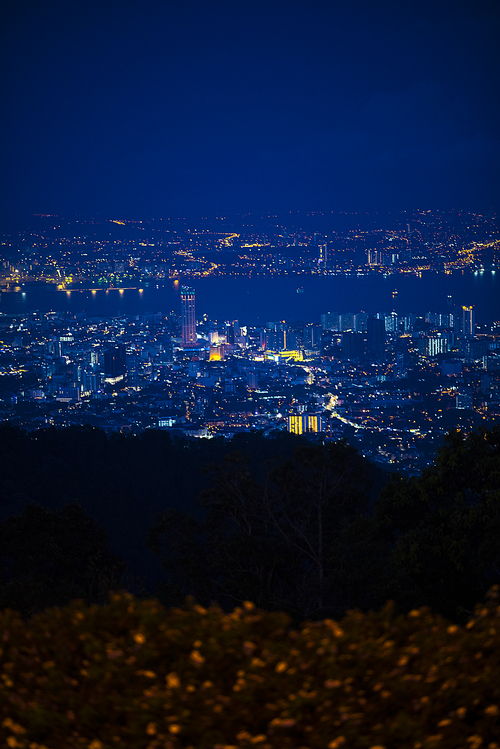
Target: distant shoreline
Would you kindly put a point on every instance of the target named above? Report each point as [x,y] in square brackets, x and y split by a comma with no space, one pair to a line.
[19,287]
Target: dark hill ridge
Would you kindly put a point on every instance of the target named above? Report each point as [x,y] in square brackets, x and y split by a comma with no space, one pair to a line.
[121,481]
[308,528]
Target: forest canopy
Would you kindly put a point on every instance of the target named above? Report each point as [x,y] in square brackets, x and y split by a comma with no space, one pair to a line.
[312,529]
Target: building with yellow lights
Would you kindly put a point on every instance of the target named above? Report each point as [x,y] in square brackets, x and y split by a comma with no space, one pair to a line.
[216,353]
[306,422]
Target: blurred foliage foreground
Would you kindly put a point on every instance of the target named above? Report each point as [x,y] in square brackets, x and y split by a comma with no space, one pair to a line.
[131,674]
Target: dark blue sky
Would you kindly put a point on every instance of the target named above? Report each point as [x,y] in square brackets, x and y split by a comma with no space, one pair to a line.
[188,107]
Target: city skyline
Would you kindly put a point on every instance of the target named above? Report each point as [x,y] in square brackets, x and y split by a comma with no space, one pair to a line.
[392,384]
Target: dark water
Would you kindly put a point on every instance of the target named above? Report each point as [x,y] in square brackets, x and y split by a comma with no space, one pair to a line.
[255,300]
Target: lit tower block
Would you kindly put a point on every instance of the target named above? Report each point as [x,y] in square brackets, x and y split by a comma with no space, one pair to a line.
[295,423]
[188,317]
[468,321]
[306,422]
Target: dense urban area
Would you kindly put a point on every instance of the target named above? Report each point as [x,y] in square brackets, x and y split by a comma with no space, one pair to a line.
[103,253]
[392,384]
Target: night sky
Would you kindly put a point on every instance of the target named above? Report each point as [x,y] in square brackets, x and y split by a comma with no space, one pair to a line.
[190,108]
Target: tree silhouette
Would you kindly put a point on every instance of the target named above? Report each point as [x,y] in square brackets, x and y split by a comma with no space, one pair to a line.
[444,526]
[277,541]
[49,558]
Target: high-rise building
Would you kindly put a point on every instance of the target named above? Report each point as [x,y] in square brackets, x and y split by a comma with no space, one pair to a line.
[391,322]
[91,381]
[166,355]
[439,320]
[360,320]
[464,398]
[353,345]
[436,345]
[315,423]
[468,321]
[376,337]
[330,321]
[214,338]
[230,335]
[306,422]
[275,340]
[311,335]
[346,321]
[275,336]
[232,332]
[115,363]
[295,423]
[188,317]
[293,339]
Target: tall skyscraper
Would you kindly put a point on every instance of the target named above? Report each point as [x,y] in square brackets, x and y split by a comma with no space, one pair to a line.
[115,363]
[468,321]
[188,317]
[376,337]
[311,334]
[232,332]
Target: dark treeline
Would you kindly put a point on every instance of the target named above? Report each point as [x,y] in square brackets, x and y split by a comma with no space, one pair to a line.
[308,528]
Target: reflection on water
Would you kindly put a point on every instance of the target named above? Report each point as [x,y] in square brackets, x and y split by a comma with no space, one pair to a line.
[264,298]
